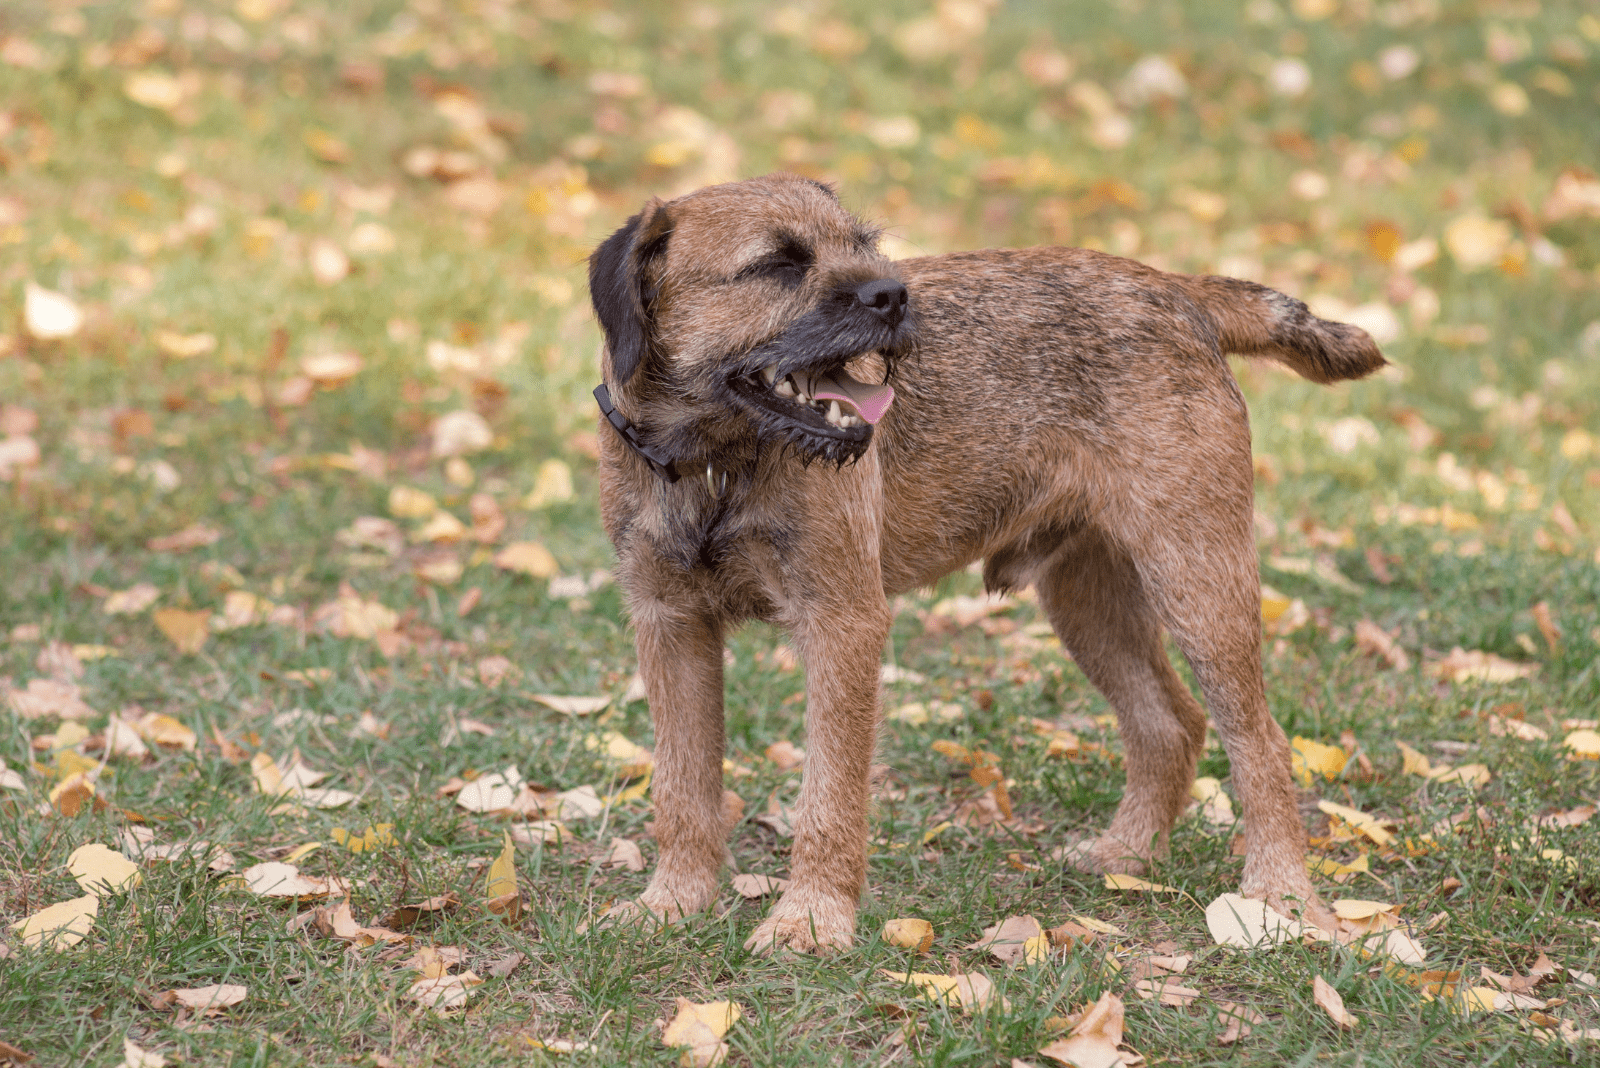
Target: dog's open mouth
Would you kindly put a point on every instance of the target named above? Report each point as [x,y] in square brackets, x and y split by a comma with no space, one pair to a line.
[831,404]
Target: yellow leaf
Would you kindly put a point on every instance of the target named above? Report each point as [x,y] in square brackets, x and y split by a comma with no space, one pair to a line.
[264,771]
[1414,762]
[158,729]
[971,990]
[1308,758]
[527,558]
[378,834]
[1356,909]
[699,1028]
[301,851]
[70,794]
[408,503]
[552,484]
[503,872]
[912,934]
[100,869]
[61,925]
[1358,820]
[1098,926]
[1273,604]
[1327,866]
[1132,882]
[186,630]
[1582,745]
[1466,774]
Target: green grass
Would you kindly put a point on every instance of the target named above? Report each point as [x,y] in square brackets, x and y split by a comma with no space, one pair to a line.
[95,192]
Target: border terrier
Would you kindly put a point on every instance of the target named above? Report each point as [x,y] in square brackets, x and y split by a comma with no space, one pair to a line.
[800,429]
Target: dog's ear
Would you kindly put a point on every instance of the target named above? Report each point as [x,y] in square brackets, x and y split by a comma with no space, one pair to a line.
[617,287]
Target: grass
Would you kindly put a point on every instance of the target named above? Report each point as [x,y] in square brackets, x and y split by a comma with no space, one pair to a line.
[201,216]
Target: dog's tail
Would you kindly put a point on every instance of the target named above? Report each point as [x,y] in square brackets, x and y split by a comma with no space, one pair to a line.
[1253,320]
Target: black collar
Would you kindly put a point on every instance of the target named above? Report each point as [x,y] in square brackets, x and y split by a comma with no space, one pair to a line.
[659,462]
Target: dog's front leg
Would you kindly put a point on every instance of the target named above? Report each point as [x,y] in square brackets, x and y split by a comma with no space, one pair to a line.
[680,661]
[828,866]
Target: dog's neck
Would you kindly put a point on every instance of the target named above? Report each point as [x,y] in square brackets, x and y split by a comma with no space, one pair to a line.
[663,465]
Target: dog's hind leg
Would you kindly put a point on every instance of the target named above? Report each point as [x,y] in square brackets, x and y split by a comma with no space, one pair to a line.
[1197,563]
[680,660]
[1099,609]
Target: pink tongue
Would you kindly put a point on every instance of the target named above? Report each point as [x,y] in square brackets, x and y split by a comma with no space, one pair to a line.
[868,400]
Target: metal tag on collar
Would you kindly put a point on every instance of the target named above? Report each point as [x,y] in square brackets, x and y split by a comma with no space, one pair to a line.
[659,462]
[716,481]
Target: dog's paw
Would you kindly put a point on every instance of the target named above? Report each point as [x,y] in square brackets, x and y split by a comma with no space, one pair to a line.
[1103,856]
[819,926]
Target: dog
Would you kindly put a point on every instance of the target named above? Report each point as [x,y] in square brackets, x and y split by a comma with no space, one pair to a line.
[795,429]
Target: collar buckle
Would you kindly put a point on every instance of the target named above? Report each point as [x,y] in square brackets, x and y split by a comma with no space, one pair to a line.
[659,462]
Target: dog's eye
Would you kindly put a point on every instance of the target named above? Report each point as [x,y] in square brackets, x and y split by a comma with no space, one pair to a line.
[782,269]
[788,265]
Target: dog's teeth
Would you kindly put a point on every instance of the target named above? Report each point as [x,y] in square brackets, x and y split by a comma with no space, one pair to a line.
[769,373]
[785,388]
[834,415]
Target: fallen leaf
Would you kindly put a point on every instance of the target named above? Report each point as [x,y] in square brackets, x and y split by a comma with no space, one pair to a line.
[909,933]
[135,1056]
[1462,666]
[626,855]
[210,999]
[500,890]
[572,706]
[49,697]
[376,835]
[1328,999]
[753,886]
[1117,881]
[1014,939]
[492,792]
[60,925]
[970,990]
[1582,745]
[1375,641]
[630,759]
[130,601]
[527,558]
[186,630]
[99,869]
[444,993]
[1235,920]
[698,1029]
[786,755]
[1094,1039]
[72,793]
[1236,1020]
[1572,817]
[48,315]
[276,878]
[1169,990]
[194,536]
[163,730]
[1308,758]
[1358,820]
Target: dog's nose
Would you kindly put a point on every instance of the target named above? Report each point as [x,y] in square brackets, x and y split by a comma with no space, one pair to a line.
[885,296]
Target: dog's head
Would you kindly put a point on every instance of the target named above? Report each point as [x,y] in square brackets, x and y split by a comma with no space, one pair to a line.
[733,312]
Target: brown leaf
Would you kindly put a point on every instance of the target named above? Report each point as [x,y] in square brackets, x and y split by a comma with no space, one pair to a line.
[786,755]
[195,536]
[1375,641]
[626,854]
[1236,1020]
[1008,940]
[1094,1039]
[1328,999]
[503,967]
[1170,990]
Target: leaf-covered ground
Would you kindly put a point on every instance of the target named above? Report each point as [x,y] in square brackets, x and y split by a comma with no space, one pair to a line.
[296,477]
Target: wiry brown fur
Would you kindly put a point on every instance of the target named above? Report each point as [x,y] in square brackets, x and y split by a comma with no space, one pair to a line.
[1066,416]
